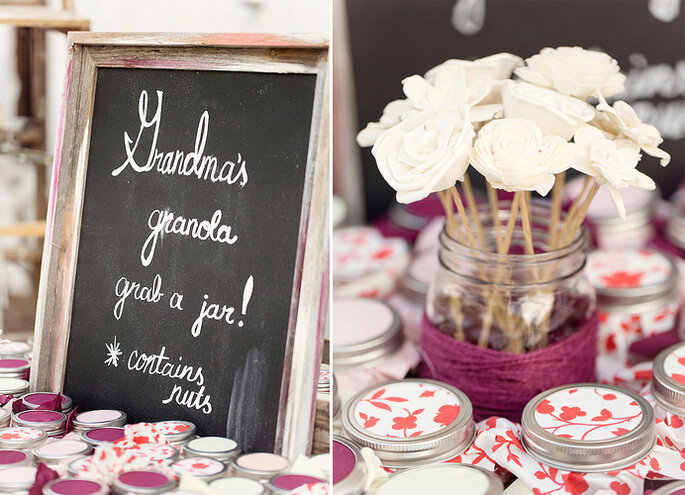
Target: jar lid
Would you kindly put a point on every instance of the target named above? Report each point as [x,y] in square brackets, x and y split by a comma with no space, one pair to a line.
[675,229]
[349,470]
[12,458]
[74,486]
[588,427]
[61,449]
[367,331]
[442,478]
[99,418]
[201,467]
[418,276]
[176,431]
[285,483]
[37,399]
[642,279]
[142,481]
[337,403]
[99,436]
[14,365]
[220,448]
[675,488]
[20,437]
[17,478]
[236,484]
[45,420]
[9,348]
[259,465]
[14,386]
[668,378]
[359,252]
[410,422]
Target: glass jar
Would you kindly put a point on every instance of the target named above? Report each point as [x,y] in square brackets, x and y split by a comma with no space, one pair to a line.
[260,466]
[21,438]
[61,452]
[511,302]
[53,423]
[675,230]
[13,458]
[37,399]
[74,486]
[177,432]
[219,448]
[556,430]
[14,368]
[141,482]
[409,423]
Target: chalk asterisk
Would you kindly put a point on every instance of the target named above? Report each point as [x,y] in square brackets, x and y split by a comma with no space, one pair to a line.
[113,353]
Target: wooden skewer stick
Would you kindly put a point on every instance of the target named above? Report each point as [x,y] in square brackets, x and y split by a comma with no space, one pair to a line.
[494,211]
[473,209]
[462,214]
[577,220]
[555,214]
[525,223]
[511,223]
[572,211]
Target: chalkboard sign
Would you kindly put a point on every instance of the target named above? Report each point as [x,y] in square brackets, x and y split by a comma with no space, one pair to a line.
[393,39]
[180,220]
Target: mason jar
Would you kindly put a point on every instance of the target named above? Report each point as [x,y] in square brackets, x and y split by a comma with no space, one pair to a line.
[511,302]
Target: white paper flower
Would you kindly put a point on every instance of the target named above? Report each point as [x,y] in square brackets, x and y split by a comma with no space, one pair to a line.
[494,67]
[514,155]
[573,71]
[610,162]
[393,113]
[553,112]
[622,121]
[426,152]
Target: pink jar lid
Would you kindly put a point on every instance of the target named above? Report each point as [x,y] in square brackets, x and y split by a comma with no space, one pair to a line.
[103,435]
[142,481]
[74,486]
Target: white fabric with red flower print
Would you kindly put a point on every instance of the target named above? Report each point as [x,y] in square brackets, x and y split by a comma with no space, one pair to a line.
[618,330]
[20,433]
[197,466]
[498,447]
[407,410]
[366,264]
[588,413]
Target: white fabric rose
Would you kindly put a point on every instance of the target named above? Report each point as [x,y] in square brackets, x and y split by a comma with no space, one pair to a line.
[553,112]
[622,121]
[426,152]
[574,71]
[515,155]
[610,162]
[393,113]
[495,67]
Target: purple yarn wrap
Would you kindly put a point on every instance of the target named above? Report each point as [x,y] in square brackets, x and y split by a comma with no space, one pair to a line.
[501,383]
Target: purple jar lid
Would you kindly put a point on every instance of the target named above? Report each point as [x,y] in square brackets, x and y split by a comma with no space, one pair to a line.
[104,435]
[291,481]
[14,363]
[143,481]
[344,461]
[73,486]
[39,416]
[11,456]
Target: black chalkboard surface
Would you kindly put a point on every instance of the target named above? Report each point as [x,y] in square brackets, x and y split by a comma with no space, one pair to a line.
[189,247]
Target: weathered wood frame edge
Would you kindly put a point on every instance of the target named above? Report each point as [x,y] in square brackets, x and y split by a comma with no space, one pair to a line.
[309,298]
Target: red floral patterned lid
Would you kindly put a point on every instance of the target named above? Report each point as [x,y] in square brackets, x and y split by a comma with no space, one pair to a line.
[410,422]
[201,467]
[588,427]
[176,431]
[631,276]
[668,379]
[20,437]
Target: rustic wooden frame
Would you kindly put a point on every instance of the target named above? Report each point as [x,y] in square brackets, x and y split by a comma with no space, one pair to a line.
[221,52]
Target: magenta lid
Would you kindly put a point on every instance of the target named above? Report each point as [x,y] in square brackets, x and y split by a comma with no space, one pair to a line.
[42,397]
[12,456]
[39,416]
[344,461]
[292,481]
[75,487]
[144,479]
[13,363]
[110,434]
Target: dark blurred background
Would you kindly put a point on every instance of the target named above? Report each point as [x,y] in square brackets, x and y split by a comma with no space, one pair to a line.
[392,39]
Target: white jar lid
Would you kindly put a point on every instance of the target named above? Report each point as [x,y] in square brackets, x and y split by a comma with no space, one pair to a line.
[442,478]
[668,378]
[16,479]
[219,448]
[588,427]
[410,422]
[237,485]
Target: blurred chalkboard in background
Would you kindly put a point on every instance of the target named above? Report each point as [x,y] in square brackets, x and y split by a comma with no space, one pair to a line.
[392,39]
